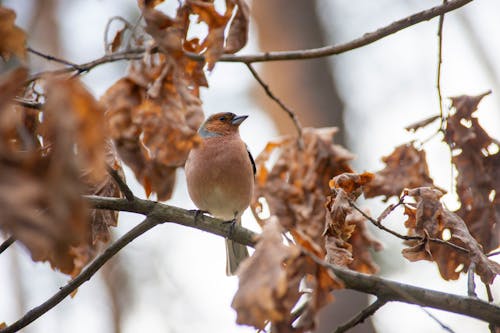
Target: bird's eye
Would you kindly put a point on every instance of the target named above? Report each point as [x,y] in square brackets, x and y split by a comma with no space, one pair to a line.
[222,118]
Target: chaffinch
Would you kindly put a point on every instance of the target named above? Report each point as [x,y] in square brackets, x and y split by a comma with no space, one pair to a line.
[220,176]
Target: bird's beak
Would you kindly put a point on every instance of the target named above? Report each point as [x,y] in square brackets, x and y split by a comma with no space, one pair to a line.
[238,120]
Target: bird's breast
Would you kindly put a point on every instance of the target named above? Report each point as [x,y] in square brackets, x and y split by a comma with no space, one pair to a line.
[220,177]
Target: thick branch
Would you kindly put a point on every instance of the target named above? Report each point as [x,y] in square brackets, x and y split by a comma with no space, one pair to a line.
[395,291]
[159,213]
[325,51]
[6,243]
[177,215]
[85,275]
[364,40]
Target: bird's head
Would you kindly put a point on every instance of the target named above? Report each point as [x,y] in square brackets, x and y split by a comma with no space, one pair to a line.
[219,124]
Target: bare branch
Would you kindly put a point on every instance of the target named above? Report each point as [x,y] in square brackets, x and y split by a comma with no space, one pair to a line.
[6,243]
[158,213]
[53,58]
[400,292]
[440,323]
[269,93]
[361,316]
[85,67]
[126,191]
[85,275]
[439,63]
[177,215]
[364,40]
[404,237]
[471,284]
[325,51]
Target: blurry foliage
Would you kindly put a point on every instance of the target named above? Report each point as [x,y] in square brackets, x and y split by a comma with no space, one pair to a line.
[148,119]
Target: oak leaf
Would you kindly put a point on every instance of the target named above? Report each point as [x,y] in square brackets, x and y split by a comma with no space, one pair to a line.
[477,159]
[406,167]
[13,38]
[296,186]
[266,292]
[431,219]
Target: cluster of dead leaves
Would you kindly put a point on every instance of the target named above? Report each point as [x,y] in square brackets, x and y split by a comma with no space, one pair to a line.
[476,225]
[48,159]
[296,187]
[430,219]
[154,113]
[310,193]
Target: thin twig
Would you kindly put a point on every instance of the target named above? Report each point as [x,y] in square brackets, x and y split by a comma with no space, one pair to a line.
[53,58]
[126,23]
[85,67]
[330,50]
[436,319]
[269,93]
[85,275]
[439,63]
[361,316]
[471,285]
[6,243]
[404,237]
[126,191]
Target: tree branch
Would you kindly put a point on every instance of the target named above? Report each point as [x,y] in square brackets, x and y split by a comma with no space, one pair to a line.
[6,243]
[379,225]
[400,292]
[325,51]
[178,216]
[158,213]
[85,275]
[269,93]
[364,40]
[439,63]
[361,316]
[85,67]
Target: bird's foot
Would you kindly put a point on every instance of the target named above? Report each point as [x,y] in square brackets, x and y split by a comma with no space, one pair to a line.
[231,223]
[197,213]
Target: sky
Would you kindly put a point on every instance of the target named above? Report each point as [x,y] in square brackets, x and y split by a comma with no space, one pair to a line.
[385,86]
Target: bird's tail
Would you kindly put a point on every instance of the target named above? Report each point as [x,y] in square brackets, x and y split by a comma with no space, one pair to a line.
[235,254]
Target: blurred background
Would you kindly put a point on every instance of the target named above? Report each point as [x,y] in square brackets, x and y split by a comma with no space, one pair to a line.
[172,279]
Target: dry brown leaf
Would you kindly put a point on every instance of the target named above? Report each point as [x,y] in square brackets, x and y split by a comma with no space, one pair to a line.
[13,39]
[362,242]
[266,292]
[477,158]
[40,188]
[117,40]
[406,167]
[270,282]
[237,36]
[100,219]
[431,219]
[153,117]
[213,44]
[87,120]
[296,186]
[342,222]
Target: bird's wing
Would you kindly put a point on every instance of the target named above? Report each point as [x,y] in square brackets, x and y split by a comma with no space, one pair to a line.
[252,161]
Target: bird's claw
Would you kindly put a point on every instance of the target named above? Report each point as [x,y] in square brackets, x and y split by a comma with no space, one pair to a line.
[231,223]
[197,213]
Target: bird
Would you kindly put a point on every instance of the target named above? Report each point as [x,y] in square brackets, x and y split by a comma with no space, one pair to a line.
[220,175]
